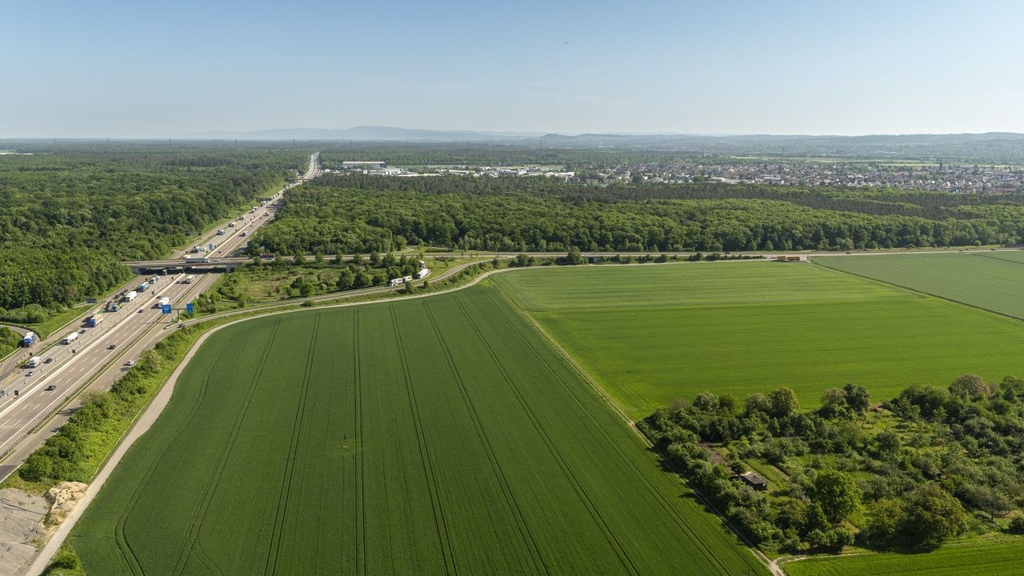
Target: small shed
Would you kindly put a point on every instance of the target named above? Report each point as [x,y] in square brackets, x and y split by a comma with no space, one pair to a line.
[754,481]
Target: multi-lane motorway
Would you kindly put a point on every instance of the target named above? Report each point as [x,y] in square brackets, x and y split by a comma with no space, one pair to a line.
[101,354]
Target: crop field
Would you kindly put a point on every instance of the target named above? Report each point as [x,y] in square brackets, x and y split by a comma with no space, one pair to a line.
[988,280]
[431,436]
[652,334]
[1001,558]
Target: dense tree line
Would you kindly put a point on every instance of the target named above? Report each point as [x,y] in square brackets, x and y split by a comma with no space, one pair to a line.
[931,464]
[68,216]
[347,213]
[72,453]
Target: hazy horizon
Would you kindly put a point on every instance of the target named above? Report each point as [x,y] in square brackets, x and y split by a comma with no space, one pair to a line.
[116,70]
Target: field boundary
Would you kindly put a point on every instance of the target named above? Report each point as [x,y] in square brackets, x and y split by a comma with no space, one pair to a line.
[761,557]
[569,358]
[152,411]
[916,291]
[141,425]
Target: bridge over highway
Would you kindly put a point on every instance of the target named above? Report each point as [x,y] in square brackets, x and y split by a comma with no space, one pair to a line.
[175,265]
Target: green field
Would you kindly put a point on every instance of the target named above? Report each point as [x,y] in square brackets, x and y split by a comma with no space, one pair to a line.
[988,280]
[433,436]
[977,558]
[653,334]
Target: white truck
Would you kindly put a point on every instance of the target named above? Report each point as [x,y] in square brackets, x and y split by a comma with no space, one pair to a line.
[189,279]
[69,338]
[33,362]
[130,296]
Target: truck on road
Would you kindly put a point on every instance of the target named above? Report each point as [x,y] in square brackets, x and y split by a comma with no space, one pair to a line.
[130,296]
[189,279]
[28,340]
[162,302]
[33,362]
[95,320]
[197,259]
[69,338]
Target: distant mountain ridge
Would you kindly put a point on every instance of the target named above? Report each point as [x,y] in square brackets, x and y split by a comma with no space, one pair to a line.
[983,147]
[369,134]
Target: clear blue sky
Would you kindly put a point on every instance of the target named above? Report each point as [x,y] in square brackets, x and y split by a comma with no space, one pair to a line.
[100,68]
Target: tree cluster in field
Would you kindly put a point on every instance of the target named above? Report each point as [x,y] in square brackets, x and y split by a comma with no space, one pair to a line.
[74,452]
[68,218]
[311,278]
[921,468]
[351,213]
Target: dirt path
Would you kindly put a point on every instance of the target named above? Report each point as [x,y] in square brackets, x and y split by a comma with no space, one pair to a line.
[140,427]
[150,415]
[155,408]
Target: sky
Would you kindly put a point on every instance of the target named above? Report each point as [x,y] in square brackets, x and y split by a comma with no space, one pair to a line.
[70,68]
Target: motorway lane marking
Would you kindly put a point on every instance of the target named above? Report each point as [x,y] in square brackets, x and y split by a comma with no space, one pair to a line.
[38,385]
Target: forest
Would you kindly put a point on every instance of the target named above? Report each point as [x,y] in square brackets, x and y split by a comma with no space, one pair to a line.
[349,213]
[909,473]
[71,212]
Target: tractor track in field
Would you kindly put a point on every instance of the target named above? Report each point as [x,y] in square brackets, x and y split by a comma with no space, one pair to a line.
[680,521]
[120,537]
[154,408]
[440,522]
[361,540]
[200,514]
[581,493]
[358,377]
[512,505]
[284,498]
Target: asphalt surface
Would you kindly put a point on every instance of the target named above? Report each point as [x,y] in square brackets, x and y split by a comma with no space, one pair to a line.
[98,357]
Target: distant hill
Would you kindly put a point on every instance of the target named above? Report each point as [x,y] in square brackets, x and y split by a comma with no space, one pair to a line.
[991,147]
[370,134]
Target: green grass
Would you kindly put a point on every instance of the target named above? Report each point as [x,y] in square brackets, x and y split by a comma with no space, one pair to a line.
[653,334]
[60,321]
[975,557]
[987,280]
[430,436]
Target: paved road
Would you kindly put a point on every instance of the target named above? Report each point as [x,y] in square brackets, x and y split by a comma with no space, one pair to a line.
[97,358]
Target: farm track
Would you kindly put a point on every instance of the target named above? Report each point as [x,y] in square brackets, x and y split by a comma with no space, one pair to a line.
[437,480]
[509,497]
[440,522]
[680,521]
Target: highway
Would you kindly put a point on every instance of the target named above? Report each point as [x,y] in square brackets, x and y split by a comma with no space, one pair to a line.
[98,357]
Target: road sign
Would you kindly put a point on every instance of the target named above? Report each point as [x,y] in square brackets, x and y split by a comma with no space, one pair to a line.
[189,308]
[165,308]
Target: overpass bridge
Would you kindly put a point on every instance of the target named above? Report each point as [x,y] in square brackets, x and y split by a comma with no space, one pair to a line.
[173,265]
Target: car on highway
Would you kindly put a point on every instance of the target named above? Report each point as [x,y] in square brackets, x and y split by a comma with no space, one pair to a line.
[48,360]
[112,346]
[30,373]
[141,310]
[51,387]
[82,331]
[130,363]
